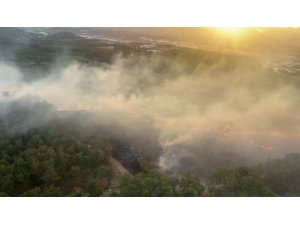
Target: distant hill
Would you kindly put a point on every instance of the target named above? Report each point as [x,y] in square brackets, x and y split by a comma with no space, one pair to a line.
[262,39]
[64,35]
[11,34]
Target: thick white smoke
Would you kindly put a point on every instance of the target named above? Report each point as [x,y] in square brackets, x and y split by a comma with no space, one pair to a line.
[216,109]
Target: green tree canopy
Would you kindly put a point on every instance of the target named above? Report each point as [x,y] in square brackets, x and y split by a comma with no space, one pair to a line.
[237,182]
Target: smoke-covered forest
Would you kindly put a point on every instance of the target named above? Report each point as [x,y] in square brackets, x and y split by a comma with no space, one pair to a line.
[108,112]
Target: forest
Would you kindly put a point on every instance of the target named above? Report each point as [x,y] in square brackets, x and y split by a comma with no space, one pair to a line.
[60,158]
[90,117]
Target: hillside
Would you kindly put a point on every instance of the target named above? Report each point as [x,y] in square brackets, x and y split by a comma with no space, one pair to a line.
[148,112]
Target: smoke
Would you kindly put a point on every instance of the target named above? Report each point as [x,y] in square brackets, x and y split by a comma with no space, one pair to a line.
[193,117]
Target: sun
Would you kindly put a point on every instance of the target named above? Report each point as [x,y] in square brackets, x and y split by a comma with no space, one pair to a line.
[231,37]
[234,31]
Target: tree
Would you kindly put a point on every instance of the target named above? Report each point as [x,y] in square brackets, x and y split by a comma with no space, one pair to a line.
[35,141]
[191,186]
[236,182]
[131,186]
[107,149]
[105,172]
[93,158]
[74,171]
[93,189]
[35,192]
[174,181]
[7,184]
[78,192]
[49,176]
[50,191]
[283,175]
[151,186]
[20,172]
[160,185]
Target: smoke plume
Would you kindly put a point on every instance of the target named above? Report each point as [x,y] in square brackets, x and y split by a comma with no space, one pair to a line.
[193,118]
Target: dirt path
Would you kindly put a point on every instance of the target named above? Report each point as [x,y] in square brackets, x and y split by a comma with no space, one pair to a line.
[120,169]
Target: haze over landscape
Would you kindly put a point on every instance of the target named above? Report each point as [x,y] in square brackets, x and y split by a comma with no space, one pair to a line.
[149,112]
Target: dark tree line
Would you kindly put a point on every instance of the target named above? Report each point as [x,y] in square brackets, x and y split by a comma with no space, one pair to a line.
[54,160]
[60,158]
